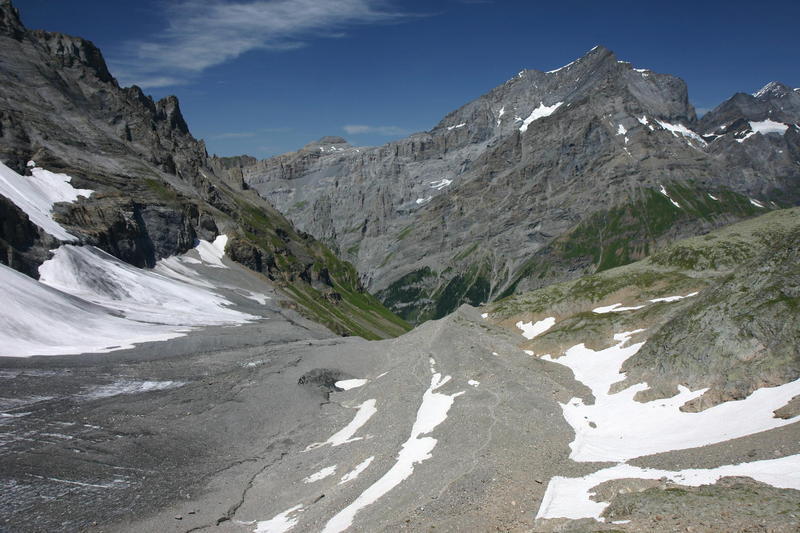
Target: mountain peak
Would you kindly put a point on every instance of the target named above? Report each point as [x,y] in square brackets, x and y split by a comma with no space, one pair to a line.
[773,88]
[598,53]
[10,23]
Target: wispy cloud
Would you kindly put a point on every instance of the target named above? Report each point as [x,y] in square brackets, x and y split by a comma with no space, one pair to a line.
[235,135]
[204,33]
[361,129]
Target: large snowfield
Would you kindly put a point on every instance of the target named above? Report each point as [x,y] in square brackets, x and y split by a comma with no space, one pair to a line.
[87,300]
[617,428]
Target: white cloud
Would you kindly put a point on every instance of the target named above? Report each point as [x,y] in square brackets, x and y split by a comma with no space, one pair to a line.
[360,129]
[204,33]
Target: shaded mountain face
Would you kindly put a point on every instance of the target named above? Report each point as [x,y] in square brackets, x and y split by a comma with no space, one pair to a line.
[548,176]
[155,190]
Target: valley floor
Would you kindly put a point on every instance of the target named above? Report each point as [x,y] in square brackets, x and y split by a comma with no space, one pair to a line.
[451,427]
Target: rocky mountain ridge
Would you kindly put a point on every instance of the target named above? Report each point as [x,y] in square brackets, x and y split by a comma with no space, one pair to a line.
[156,191]
[549,176]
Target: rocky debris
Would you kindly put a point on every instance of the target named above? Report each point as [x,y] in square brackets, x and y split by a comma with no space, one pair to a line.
[731,504]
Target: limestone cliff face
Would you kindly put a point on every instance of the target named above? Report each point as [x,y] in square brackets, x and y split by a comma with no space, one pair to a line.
[156,189]
[546,177]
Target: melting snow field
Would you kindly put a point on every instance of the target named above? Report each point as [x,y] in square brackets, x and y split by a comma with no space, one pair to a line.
[617,428]
[625,428]
[87,301]
[531,330]
[571,497]
[36,194]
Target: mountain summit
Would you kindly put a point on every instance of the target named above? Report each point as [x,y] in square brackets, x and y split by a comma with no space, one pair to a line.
[548,176]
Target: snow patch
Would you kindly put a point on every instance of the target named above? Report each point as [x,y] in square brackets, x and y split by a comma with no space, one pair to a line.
[713,197]
[756,203]
[35,195]
[441,184]
[531,330]
[451,128]
[473,383]
[680,129]
[212,253]
[322,474]
[280,523]
[421,201]
[347,384]
[540,112]
[621,130]
[355,472]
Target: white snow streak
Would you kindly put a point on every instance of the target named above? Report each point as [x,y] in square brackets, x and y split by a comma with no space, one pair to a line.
[36,194]
[432,412]
[673,298]
[440,184]
[614,309]
[355,472]
[756,203]
[665,193]
[451,128]
[345,435]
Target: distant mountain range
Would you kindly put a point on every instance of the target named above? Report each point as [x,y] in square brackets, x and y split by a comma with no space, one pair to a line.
[547,177]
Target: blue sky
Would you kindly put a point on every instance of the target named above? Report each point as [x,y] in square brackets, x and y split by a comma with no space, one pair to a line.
[264,77]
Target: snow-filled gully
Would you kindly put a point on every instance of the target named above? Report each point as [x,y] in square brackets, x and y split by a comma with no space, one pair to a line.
[617,428]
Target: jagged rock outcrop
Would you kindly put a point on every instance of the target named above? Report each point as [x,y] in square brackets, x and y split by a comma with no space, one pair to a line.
[548,176]
[156,190]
